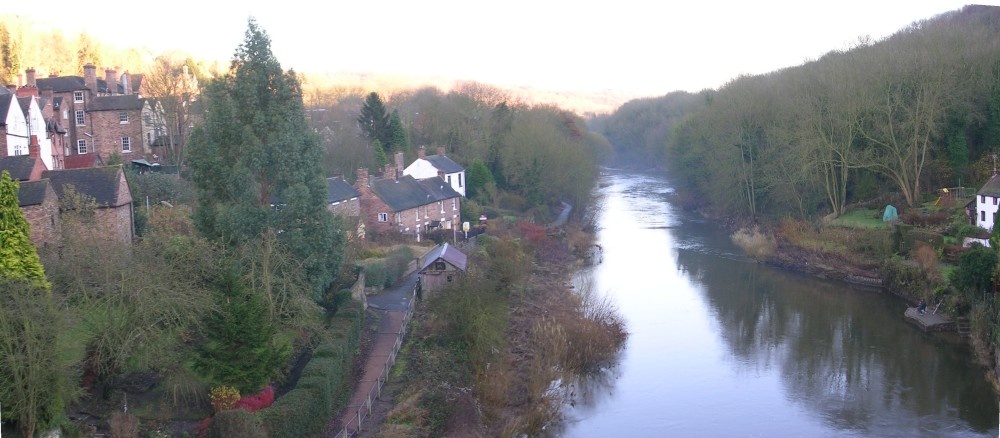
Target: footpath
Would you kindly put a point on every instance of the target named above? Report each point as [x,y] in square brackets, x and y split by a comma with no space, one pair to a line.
[393,307]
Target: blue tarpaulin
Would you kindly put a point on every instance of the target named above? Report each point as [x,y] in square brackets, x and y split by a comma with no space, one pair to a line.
[890,214]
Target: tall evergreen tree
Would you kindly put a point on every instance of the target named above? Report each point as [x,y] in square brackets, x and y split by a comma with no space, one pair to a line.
[397,134]
[10,56]
[18,258]
[379,152]
[257,165]
[374,120]
[239,350]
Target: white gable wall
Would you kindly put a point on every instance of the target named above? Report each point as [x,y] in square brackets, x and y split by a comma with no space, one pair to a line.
[17,129]
[986,210]
[36,127]
[423,169]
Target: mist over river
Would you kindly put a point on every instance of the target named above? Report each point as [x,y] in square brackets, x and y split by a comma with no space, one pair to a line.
[723,346]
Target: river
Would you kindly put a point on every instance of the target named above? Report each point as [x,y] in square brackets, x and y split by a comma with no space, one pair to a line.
[722,346]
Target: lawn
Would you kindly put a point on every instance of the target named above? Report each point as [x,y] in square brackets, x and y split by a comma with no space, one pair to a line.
[860,218]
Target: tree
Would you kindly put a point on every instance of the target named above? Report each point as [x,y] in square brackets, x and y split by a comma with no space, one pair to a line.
[256,165]
[378,153]
[174,88]
[479,178]
[397,134]
[10,56]
[239,350]
[35,387]
[373,120]
[87,51]
[18,257]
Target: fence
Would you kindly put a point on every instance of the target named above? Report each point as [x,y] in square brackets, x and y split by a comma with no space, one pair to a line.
[349,429]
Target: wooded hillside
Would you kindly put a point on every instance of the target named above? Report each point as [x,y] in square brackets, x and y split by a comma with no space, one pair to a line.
[898,118]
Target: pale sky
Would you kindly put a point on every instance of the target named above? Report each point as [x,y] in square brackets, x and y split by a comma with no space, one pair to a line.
[639,47]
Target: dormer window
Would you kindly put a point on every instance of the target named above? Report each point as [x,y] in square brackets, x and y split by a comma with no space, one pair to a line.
[78,96]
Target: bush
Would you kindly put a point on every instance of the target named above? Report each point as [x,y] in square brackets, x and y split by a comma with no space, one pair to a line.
[224,397]
[233,423]
[323,388]
[256,402]
[376,274]
[903,280]
[755,243]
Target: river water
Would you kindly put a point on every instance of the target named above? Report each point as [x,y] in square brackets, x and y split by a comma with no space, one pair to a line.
[722,346]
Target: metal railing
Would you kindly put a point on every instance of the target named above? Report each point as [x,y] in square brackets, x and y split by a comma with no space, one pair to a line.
[353,426]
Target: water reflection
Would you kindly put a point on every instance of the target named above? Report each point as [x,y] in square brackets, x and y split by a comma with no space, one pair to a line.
[724,346]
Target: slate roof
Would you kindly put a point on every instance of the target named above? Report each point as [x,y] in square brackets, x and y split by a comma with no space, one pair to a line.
[63,84]
[4,107]
[31,192]
[25,103]
[101,183]
[406,192]
[110,103]
[20,167]
[992,187]
[339,190]
[444,164]
[447,253]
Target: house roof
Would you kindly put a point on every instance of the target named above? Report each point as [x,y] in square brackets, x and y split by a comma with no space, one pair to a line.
[447,253]
[444,164]
[406,192]
[4,107]
[19,167]
[339,190]
[110,103]
[31,192]
[101,183]
[992,187]
[25,103]
[79,161]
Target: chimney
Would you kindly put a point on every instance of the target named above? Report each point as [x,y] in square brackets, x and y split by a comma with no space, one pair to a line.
[362,178]
[126,83]
[90,78]
[399,163]
[109,77]
[440,150]
[30,73]
[33,147]
[390,171]
[422,152]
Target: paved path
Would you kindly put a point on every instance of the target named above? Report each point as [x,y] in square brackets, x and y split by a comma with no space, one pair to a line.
[391,306]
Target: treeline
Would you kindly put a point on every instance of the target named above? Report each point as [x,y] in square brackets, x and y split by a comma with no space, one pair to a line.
[517,156]
[896,118]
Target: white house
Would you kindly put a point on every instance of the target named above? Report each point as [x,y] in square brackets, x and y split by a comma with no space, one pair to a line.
[429,166]
[13,126]
[37,128]
[986,203]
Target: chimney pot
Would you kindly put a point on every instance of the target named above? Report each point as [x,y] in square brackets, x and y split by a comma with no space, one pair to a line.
[90,78]
[109,77]
[30,73]
[440,150]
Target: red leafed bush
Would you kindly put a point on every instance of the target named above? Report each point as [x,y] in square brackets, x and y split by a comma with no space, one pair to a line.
[533,233]
[202,426]
[256,402]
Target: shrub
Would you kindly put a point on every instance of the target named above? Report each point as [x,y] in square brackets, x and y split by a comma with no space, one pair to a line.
[323,387]
[256,402]
[755,243]
[223,397]
[235,423]
[376,274]
[903,280]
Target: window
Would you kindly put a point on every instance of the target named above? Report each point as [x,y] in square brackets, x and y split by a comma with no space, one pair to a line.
[20,149]
[81,146]
[441,204]
[449,179]
[982,216]
[126,144]
[454,204]
[383,217]
[439,266]
[77,96]
[460,180]
[123,117]
[65,115]
[982,199]
[79,118]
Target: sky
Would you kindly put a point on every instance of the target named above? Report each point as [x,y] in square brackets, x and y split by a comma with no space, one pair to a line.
[635,47]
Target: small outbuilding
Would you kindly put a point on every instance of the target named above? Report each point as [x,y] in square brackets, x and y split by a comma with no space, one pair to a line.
[440,266]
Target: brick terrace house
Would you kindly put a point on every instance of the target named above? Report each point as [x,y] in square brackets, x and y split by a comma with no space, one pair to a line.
[405,204]
[23,167]
[100,116]
[108,187]
[341,198]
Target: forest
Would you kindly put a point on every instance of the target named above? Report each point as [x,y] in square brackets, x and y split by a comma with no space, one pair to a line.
[899,118]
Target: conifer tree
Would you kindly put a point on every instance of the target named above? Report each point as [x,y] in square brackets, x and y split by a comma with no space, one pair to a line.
[18,257]
[374,120]
[397,134]
[257,165]
[380,157]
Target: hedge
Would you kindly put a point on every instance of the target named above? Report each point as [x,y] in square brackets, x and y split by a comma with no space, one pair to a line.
[323,389]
